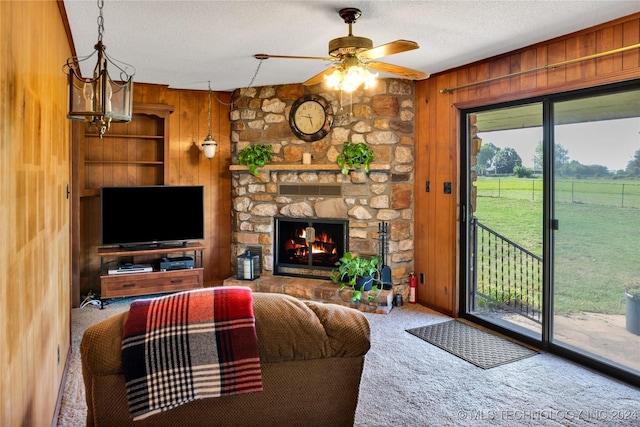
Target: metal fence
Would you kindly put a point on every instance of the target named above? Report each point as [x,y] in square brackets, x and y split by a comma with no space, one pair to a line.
[505,274]
[619,194]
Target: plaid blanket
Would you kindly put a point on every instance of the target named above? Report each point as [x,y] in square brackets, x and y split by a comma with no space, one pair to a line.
[187,346]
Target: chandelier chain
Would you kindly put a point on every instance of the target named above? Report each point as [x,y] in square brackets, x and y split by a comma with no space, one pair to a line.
[256,73]
[209,117]
[219,101]
[100,20]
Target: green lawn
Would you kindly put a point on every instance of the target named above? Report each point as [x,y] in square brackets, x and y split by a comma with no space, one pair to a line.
[597,247]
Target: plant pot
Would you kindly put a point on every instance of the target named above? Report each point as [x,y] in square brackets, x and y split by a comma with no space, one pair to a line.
[633,314]
[364,283]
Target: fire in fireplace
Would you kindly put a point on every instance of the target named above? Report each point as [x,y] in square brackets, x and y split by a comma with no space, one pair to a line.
[308,248]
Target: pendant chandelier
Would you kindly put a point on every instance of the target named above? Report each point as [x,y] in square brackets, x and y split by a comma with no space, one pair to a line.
[209,144]
[99,100]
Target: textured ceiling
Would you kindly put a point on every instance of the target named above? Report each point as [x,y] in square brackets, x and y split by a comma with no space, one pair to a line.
[185,44]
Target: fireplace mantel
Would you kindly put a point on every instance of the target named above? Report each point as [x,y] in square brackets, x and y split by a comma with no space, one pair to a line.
[316,167]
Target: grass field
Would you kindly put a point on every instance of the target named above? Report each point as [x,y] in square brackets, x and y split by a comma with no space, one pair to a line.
[596,251]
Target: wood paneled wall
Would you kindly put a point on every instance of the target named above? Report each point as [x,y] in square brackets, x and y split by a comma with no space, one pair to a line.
[438,134]
[186,166]
[35,298]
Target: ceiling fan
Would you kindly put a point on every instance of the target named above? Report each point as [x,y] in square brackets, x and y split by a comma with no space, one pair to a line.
[357,54]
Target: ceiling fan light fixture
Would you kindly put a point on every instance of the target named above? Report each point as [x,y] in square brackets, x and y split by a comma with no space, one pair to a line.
[358,75]
[352,56]
[334,79]
[348,79]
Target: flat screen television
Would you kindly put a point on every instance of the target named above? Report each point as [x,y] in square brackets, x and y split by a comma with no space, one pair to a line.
[151,216]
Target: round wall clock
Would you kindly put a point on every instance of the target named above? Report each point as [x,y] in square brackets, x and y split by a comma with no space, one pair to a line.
[311,117]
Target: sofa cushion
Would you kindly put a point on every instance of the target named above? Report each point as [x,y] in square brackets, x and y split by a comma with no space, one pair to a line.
[287,329]
[292,329]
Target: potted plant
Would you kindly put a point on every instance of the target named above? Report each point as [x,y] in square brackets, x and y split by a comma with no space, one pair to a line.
[354,156]
[255,156]
[632,293]
[359,273]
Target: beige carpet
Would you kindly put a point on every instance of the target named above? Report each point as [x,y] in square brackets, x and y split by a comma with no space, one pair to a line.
[407,382]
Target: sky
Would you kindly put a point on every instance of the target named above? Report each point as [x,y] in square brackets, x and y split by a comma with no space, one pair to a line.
[611,143]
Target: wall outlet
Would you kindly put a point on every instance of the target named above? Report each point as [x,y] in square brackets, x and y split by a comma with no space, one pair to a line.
[447,188]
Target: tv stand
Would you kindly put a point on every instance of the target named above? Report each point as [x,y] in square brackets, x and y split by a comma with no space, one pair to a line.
[155,282]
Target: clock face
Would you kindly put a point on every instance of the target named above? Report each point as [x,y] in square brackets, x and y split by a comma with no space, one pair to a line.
[311,117]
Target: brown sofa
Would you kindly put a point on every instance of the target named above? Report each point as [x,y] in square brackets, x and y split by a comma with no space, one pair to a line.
[311,356]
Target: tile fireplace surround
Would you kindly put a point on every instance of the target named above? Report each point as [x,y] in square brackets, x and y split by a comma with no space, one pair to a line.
[382,117]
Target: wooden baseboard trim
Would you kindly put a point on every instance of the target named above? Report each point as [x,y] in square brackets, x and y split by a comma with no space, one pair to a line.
[63,381]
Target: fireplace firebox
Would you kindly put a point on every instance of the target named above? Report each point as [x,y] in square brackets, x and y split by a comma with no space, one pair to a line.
[309,247]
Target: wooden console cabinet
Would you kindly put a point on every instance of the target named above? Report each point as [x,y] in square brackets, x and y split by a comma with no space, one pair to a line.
[155,282]
[129,154]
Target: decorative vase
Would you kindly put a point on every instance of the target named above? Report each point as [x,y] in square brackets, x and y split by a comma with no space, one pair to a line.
[364,283]
[633,314]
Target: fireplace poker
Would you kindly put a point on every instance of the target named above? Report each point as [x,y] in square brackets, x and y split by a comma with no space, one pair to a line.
[385,270]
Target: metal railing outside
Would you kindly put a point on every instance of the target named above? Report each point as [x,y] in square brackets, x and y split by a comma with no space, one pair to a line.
[505,275]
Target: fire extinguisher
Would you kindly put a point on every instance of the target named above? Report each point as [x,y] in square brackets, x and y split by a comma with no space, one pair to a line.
[413,288]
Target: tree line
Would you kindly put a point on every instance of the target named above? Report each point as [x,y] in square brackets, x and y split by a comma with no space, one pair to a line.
[492,160]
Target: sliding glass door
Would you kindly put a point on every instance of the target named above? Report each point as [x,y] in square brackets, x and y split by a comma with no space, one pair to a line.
[506,180]
[596,247]
[551,224]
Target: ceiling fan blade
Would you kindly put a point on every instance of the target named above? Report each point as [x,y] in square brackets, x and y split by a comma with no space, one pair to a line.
[392,48]
[398,70]
[319,78]
[266,56]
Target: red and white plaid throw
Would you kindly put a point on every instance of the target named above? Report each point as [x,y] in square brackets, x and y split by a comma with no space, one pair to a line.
[187,346]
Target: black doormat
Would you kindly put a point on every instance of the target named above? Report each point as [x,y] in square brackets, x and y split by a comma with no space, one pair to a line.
[474,345]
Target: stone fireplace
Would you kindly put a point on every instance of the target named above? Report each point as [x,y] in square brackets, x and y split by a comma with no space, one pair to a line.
[288,191]
[308,247]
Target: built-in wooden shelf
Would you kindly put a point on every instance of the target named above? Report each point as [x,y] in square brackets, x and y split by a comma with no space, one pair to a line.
[89,192]
[133,153]
[119,135]
[127,162]
[301,167]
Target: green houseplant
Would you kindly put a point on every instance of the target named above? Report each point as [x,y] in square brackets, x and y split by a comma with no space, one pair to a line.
[255,156]
[359,273]
[354,156]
